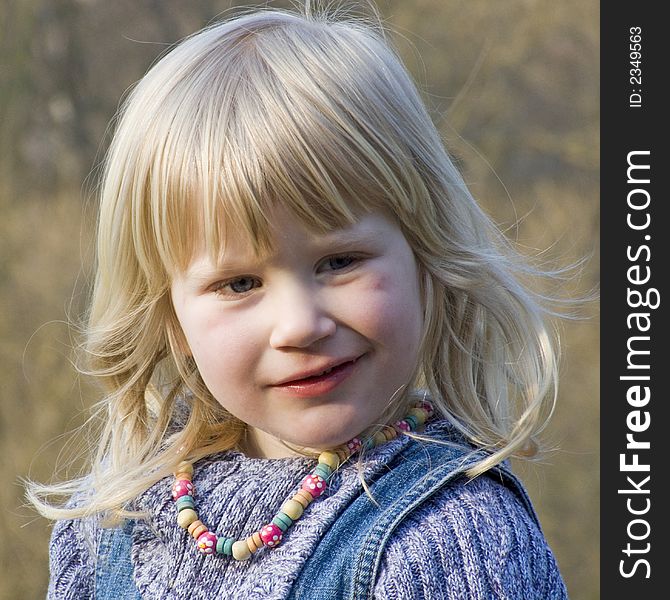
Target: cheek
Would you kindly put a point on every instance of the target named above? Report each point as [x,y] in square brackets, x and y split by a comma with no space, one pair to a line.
[392,310]
[221,347]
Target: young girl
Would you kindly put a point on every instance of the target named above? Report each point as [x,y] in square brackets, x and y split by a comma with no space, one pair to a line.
[317,351]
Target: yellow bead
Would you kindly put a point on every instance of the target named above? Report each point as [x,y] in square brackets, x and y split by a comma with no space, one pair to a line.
[390,433]
[343,454]
[241,550]
[419,414]
[184,467]
[304,497]
[300,499]
[197,528]
[292,509]
[251,544]
[379,438]
[186,517]
[342,450]
[256,538]
[183,475]
[330,459]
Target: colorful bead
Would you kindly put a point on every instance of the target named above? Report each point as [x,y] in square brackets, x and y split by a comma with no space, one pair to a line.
[368,443]
[182,487]
[197,528]
[412,422]
[282,516]
[390,433]
[283,520]
[343,454]
[186,517]
[241,550]
[379,438]
[304,497]
[184,467]
[323,471]
[251,544]
[402,426]
[314,484]
[292,509]
[228,546]
[427,406]
[271,535]
[185,502]
[354,445]
[329,458]
[419,414]
[207,542]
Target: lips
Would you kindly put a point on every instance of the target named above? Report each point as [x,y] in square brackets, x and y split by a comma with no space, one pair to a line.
[319,381]
[318,373]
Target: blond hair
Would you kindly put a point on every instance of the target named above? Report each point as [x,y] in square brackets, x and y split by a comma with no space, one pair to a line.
[317,113]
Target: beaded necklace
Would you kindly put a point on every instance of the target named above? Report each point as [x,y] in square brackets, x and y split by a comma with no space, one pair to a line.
[313,486]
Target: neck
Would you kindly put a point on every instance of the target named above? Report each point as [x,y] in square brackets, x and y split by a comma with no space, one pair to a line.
[259,444]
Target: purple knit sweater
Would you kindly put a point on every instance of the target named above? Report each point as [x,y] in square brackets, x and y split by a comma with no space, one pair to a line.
[471,540]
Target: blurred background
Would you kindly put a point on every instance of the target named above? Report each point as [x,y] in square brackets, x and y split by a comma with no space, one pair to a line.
[514,88]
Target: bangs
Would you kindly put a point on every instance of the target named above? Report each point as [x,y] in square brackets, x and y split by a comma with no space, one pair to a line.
[280,115]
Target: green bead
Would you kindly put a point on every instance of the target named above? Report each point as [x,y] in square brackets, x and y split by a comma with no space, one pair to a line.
[323,470]
[285,518]
[330,459]
[411,421]
[369,443]
[185,502]
[228,546]
[282,521]
[220,544]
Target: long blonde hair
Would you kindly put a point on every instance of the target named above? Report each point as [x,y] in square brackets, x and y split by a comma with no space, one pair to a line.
[316,112]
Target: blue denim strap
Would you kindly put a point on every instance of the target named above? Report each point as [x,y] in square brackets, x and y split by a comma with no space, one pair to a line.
[114,568]
[345,563]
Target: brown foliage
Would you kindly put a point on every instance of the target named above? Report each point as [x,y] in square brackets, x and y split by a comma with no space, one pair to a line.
[512,86]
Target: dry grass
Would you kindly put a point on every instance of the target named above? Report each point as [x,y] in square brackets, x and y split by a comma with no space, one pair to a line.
[514,82]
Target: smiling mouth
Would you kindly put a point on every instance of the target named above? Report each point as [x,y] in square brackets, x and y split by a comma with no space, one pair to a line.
[331,374]
[335,369]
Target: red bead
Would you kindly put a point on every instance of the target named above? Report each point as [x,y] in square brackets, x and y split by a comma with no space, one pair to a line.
[207,542]
[354,445]
[314,484]
[403,425]
[427,406]
[182,487]
[271,535]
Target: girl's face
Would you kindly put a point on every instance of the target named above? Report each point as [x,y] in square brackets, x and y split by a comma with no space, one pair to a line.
[309,343]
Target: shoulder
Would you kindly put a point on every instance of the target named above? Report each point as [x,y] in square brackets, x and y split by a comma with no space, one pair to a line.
[72,552]
[471,540]
[72,559]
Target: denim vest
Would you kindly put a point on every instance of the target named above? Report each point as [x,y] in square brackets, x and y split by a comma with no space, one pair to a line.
[345,563]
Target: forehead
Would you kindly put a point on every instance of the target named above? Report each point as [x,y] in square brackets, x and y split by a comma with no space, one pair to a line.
[289,236]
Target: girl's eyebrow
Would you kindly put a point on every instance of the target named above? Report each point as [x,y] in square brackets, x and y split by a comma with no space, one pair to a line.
[203,271]
[351,235]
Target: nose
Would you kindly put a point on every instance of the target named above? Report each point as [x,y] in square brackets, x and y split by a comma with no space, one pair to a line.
[300,319]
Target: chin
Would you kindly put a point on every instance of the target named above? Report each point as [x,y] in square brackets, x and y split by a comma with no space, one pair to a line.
[328,439]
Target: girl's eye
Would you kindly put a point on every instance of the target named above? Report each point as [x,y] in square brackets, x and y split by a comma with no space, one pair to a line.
[336,263]
[240,285]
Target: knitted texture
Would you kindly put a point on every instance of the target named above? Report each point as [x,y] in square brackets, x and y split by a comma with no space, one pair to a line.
[470,541]
[473,541]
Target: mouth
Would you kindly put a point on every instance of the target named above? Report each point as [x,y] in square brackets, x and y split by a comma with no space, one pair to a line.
[320,381]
